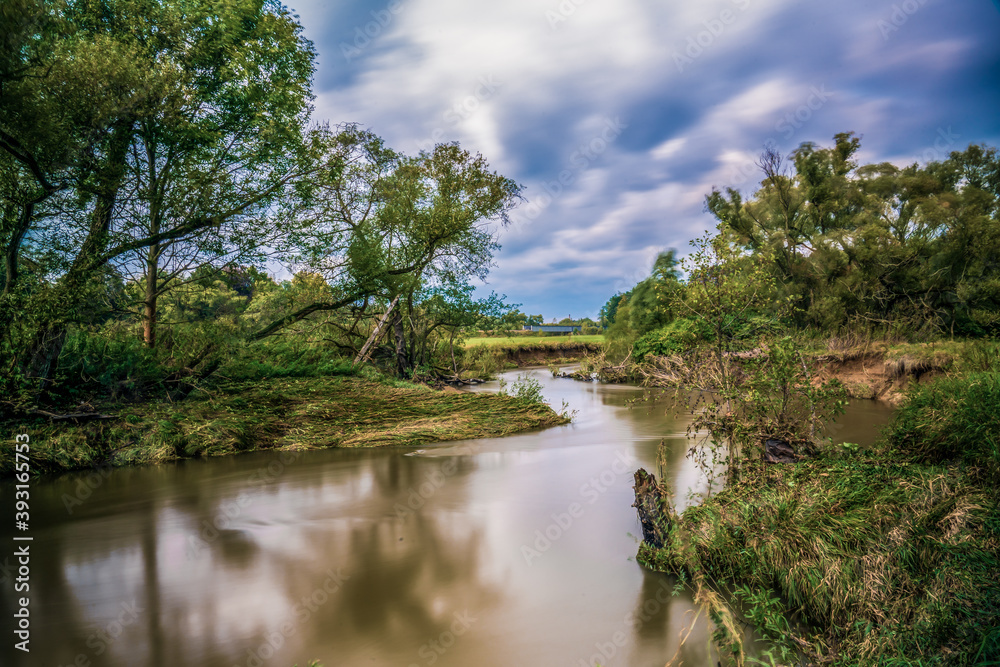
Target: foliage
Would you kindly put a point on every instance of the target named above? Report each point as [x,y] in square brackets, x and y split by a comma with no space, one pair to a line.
[152,154]
[524,388]
[678,336]
[908,253]
[954,419]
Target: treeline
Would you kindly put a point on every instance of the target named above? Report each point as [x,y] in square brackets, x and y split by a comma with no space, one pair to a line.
[156,155]
[828,244]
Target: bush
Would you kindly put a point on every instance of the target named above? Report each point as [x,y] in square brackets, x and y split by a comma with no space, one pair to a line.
[526,389]
[952,419]
[674,338]
[113,362]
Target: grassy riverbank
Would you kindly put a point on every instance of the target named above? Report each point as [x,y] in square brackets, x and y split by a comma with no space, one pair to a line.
[520,341]
[889,555]
[275,413]
[485,356]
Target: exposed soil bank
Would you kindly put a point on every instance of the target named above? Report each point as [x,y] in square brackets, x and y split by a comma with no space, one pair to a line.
[875,376]
[280,414]
[541,354]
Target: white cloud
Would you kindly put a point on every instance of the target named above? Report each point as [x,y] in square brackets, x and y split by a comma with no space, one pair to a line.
[569,65]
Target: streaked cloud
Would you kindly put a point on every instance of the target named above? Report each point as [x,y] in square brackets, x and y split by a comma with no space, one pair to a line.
[697,89]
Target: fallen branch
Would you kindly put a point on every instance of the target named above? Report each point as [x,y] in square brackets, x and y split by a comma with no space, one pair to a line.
[76,416]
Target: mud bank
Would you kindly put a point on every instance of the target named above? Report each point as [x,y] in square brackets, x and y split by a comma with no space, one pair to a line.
[876,376]
[540,355]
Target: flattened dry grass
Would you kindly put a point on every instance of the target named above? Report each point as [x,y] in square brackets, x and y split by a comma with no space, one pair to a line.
[297,414]
[890,557]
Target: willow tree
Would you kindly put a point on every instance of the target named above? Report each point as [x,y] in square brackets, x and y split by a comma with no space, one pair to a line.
[157,123]
[71,92]
[377,224]
[220,143]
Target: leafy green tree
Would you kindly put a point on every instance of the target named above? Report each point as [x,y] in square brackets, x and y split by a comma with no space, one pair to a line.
[171,83]
[377,224]
[876,245]
[219,145]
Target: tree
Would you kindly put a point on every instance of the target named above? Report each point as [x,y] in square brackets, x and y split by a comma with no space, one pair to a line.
[220,144]
[377,224]
[880,245]
[172,85]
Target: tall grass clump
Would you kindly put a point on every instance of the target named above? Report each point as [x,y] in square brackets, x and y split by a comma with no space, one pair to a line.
[952,419]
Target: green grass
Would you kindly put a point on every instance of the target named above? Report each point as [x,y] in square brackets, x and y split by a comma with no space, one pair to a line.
[277,413]
[531,341]
[890,556]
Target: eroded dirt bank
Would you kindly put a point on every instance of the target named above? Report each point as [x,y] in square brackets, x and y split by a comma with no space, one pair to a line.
[540,355]
[875,376]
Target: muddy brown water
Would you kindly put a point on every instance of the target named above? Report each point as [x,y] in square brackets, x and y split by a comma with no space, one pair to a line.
[495,552]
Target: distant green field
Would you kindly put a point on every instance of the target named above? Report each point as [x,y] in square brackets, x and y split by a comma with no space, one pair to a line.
[524,341]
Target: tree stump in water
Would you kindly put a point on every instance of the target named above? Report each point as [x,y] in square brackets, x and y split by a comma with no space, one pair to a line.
[655,512]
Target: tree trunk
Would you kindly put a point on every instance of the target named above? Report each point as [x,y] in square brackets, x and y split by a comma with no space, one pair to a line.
[149,303]
[363,354]
[451,343]
[402,362]
[45,349]
[51,336]
[14,247]
[656,515]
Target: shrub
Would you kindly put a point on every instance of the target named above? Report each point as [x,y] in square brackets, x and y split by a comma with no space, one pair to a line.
[676,337]
[524,388]
[952,419]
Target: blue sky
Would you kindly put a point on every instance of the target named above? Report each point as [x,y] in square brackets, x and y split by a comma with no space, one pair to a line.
[619,116]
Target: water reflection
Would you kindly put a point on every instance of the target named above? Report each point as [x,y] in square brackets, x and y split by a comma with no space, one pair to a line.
[511,551]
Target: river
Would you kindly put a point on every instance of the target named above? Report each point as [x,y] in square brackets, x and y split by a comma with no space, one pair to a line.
[498,552]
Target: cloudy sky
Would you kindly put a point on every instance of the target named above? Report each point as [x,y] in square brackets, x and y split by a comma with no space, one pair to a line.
[618,116]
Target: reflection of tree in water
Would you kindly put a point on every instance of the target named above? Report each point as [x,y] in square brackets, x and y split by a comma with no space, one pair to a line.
[662,621]
[406,576]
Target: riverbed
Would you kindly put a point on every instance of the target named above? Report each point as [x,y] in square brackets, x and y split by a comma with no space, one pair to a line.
[494,552]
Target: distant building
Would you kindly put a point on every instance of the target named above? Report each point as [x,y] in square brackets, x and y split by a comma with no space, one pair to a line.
[553,328]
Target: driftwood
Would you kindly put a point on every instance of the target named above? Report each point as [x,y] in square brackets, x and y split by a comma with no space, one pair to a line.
[655,512]
[376,334]
[75,416]
[778,451]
